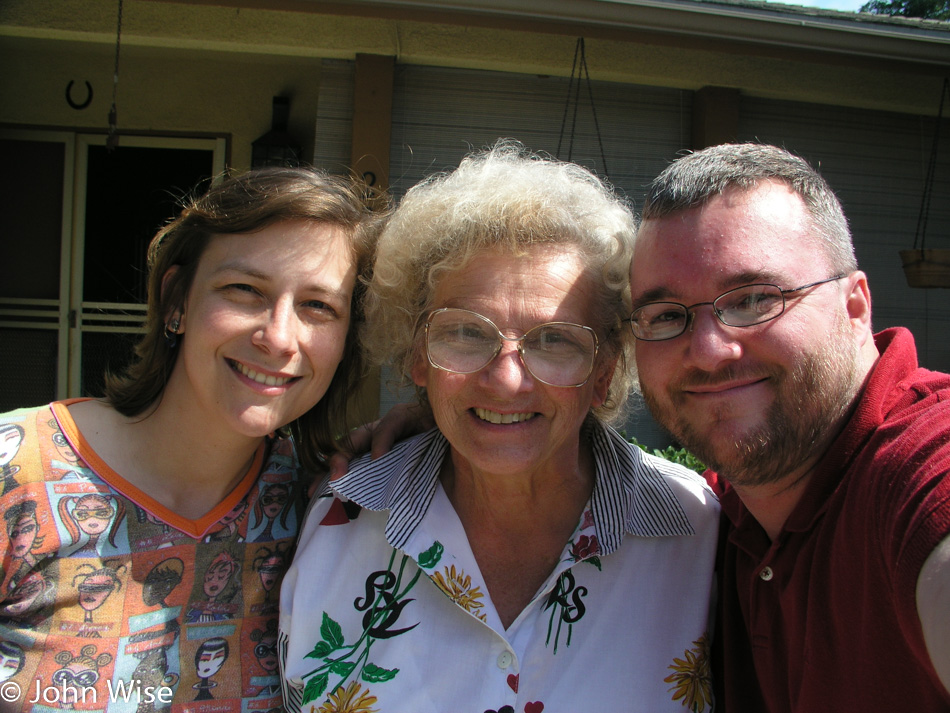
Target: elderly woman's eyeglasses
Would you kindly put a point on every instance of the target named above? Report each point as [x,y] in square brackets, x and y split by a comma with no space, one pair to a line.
[554,353]
[742,307]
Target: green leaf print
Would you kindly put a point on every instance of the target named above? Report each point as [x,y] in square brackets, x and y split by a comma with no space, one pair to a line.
[331,632]
[342,668]
[374,674]
[430,558]
[382,605]
[332,635]
[321,650]
[315,687]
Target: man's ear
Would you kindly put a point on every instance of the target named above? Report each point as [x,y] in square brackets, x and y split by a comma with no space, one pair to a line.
[858,304]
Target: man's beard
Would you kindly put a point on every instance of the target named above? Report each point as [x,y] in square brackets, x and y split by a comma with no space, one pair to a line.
[809,405]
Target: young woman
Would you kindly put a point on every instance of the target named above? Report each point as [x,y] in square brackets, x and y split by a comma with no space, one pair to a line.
[253,302]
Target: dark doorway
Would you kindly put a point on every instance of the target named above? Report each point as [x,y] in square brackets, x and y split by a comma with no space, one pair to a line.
[131,192]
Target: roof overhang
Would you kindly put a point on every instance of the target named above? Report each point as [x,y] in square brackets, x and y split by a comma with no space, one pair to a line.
[856,35]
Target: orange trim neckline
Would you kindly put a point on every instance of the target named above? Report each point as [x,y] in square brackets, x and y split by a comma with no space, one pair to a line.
[193,528]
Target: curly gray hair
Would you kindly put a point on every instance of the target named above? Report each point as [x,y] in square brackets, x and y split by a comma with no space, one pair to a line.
[509,199]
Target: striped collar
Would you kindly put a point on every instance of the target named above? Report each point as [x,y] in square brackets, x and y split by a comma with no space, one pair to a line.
[631,492]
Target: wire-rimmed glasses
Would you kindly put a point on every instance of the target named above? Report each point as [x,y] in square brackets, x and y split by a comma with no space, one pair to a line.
[740,307]
[555,353]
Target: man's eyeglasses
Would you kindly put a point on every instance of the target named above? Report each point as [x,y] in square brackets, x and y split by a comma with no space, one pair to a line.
[554,353]
[741,307]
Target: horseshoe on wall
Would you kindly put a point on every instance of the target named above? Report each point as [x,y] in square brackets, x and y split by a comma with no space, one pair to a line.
[78,105]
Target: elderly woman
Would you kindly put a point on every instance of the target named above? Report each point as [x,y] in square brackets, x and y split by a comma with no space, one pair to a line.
[522,556]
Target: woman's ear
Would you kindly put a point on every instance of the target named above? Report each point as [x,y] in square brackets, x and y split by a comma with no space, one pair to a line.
[176,312]
[603,375]
[420,368]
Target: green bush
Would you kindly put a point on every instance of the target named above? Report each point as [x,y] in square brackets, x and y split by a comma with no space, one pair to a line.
[671,453]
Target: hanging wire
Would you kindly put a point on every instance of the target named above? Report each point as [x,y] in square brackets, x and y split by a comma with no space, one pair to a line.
[113,139]
[920,235]
[579,73]
[567,104]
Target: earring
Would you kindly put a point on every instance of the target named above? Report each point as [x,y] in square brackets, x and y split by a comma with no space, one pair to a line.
[171,332]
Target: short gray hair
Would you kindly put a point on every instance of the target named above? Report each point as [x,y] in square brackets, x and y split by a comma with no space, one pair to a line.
[507,198]
[692,180]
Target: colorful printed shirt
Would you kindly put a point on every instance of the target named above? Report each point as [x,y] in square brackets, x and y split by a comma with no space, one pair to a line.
[384,607]
[111,602]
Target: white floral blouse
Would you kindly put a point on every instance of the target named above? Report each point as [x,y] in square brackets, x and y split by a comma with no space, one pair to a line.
[384,608]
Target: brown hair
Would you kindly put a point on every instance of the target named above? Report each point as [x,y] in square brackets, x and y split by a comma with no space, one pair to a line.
[240,204]
[696,178]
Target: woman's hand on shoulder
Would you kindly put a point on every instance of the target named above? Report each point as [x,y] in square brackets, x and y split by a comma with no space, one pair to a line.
[378,437]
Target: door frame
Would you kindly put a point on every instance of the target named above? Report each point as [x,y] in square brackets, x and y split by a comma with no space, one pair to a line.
[69,315]
[122,317]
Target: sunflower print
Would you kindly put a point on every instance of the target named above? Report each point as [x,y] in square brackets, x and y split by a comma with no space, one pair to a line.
[458,587]
[692,683]
[352,699]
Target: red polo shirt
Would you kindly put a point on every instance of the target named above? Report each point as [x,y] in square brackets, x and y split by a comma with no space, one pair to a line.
[824,618]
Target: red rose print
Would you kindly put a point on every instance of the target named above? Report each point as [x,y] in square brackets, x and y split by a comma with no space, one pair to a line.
[585,547]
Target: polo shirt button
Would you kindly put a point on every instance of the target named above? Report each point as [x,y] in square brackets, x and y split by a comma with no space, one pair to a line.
[504,659]
[766,574]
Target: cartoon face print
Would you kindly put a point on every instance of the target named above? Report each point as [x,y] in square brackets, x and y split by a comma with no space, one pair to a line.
[219,574]
[270,570]
[78,672]
[93,514]
[273,510]
[274,499]
[65,451]
[234,514]
[30,594]
[11,437]
[152,669]
[95,585]
[89,517]
[12,659]
[216,579]
[23,530]
[266,648]
[209,658]
[270,565]
[230,521]
[161,581]
[230,524]
[95,589]
[23,534]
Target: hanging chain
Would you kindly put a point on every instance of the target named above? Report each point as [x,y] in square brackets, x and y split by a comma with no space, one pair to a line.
[579,66]
[113,139]
[921,233]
